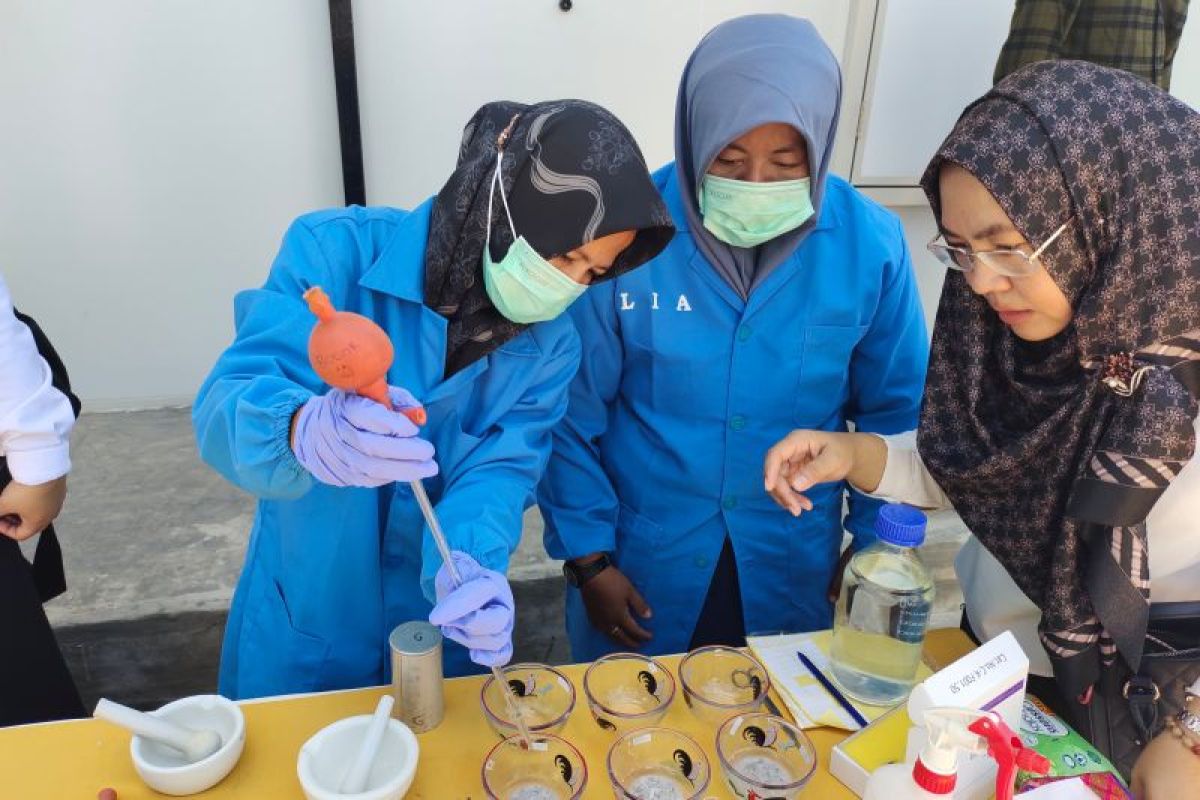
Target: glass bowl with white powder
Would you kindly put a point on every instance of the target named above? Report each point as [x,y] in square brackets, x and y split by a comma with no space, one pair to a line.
[658,764]
[763,755]
[550,768]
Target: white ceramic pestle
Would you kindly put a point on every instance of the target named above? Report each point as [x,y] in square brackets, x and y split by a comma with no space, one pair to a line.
[194,745]
[356,778]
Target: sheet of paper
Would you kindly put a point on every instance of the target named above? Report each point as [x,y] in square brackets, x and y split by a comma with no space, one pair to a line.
[807,700]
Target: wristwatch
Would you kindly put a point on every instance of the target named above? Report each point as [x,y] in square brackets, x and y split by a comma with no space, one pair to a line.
[577,575]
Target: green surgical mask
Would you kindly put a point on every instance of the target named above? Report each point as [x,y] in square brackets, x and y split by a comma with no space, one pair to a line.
[523,286]
[746,214]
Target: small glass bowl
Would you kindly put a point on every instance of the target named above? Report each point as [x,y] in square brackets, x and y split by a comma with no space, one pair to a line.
[719,682]
[657,763]
[627,691]
[549,769]
[763,755]
[543,694]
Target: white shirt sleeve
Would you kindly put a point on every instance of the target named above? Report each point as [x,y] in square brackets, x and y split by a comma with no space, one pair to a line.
[35,418]
[905,478]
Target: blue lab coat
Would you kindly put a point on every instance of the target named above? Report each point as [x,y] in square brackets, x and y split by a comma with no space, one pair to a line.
[684,387]
[330,571]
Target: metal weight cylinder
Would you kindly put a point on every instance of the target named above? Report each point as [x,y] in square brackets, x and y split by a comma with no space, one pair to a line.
[417,675]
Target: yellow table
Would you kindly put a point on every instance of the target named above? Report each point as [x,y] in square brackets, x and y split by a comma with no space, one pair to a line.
[75,760]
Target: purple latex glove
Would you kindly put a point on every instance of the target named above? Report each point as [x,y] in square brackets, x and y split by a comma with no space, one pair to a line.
[345,439]
[479,614]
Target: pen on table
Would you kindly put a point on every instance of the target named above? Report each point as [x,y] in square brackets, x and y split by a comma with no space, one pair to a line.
[833,690]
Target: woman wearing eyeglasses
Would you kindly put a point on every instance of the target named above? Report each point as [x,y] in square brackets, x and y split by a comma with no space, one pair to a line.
[1059,415]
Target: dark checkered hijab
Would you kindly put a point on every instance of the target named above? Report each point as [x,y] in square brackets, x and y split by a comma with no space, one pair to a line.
[1054,452]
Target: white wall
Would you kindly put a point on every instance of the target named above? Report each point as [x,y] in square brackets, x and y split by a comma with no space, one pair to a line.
[919,229]
[151,155]
[920,80]
[425,66]
[1185,72]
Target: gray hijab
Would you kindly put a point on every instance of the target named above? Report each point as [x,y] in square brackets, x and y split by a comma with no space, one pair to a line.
[747,72]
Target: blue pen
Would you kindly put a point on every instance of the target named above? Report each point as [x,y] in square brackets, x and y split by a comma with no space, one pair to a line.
[833,690]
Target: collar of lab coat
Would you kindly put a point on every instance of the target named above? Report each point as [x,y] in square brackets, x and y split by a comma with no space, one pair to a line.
[399,270]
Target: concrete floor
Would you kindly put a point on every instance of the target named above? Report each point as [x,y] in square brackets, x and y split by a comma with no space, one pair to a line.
[149,529]
[154,540]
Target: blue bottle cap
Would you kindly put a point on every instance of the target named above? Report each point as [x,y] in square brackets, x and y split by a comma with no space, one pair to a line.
[900,525]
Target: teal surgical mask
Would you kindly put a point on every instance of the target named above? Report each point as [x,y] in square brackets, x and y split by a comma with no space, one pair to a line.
[523,286]
[746,214]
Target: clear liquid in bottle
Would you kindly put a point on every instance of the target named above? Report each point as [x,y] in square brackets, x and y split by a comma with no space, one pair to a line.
[883,611]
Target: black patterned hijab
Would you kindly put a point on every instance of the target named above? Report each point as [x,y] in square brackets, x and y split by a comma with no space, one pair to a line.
[572,174]
[1054,452]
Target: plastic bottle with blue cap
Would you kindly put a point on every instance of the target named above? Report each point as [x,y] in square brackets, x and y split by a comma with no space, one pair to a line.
[883,611]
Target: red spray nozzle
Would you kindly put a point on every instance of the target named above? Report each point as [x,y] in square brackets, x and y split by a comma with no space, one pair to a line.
[1006,749]
[351,352]
[1034,762]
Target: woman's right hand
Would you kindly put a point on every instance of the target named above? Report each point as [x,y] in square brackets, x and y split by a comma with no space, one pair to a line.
[345,439]
[806,458]
[478,613]
[614,606]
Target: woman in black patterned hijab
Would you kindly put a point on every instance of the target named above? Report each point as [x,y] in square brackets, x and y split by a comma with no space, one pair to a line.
[571,176]
[545,200]
[1054,427]
[1061,399]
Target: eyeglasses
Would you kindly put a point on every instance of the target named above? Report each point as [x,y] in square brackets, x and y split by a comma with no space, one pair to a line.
[1010,263]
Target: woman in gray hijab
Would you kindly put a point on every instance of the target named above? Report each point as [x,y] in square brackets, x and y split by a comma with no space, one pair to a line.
[785,298]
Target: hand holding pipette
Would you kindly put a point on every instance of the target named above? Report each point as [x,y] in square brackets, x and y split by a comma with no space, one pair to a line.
[353,354]
[344,439]
[476,611]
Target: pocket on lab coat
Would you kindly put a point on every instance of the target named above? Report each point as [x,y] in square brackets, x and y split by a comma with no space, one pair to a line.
[824,384]
[676,362]
[639,541]
[274,652]
[814,544]
[458,402]
[635,532]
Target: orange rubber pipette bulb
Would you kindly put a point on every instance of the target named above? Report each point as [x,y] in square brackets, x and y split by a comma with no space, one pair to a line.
[351,352]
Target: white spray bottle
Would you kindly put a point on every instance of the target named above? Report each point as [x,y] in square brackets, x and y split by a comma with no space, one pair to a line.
[953,731]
